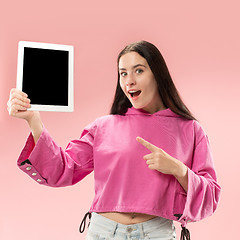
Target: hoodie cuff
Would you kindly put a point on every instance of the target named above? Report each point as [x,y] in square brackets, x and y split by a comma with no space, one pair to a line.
[26,164]
[190,212]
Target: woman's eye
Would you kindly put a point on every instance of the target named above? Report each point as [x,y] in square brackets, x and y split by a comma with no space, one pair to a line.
[139,71]
[123,74]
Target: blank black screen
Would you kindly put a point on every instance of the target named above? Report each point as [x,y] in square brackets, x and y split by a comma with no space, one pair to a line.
[45,76]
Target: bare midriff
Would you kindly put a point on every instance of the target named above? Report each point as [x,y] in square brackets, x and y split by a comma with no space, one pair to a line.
[127,218]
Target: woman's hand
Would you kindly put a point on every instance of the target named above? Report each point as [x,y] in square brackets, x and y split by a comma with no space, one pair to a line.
[18,104]
[159,160]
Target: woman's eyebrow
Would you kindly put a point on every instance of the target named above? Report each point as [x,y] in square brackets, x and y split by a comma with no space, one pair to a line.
[135,66]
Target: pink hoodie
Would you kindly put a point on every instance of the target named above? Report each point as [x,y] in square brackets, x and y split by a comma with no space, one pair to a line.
[123,181]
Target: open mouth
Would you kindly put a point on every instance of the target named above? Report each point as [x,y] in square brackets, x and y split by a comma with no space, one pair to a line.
[134,93]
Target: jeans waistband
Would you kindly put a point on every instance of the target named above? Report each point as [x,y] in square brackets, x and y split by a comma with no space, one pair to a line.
[100,222]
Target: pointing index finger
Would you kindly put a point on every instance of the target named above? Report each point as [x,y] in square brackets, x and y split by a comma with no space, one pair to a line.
[147,144]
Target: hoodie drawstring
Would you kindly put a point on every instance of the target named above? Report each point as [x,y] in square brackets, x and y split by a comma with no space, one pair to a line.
[83,223]
[185,234]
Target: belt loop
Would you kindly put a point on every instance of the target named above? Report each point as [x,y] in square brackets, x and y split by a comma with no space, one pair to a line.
[142,230]
[112,234]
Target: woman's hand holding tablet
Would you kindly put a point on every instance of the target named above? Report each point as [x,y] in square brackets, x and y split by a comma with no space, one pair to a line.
[18,104]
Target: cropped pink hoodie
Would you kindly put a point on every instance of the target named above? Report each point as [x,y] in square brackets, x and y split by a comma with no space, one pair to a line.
[123,181]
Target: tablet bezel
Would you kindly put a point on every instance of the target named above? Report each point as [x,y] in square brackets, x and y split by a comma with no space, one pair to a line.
[40,45]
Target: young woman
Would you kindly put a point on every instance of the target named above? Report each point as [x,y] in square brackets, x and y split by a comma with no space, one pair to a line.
[151,158]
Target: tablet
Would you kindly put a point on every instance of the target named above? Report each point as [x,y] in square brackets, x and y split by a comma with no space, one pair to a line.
[45,73]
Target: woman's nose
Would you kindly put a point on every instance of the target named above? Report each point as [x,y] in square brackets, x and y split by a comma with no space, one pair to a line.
[130,81]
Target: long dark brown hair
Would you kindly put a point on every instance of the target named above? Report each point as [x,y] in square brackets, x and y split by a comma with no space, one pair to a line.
[166,88]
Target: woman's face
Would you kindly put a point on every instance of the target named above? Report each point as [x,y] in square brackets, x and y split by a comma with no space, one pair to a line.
[138,83]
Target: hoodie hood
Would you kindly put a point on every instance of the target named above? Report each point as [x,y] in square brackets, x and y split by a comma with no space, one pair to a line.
[166,112]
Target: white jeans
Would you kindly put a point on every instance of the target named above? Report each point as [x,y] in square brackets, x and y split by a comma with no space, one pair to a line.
[102,228]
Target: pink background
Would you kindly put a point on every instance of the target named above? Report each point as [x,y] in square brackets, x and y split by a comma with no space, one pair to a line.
[200,42]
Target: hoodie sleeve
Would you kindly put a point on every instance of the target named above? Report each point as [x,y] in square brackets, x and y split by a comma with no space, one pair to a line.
[50,165]
[203,190]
